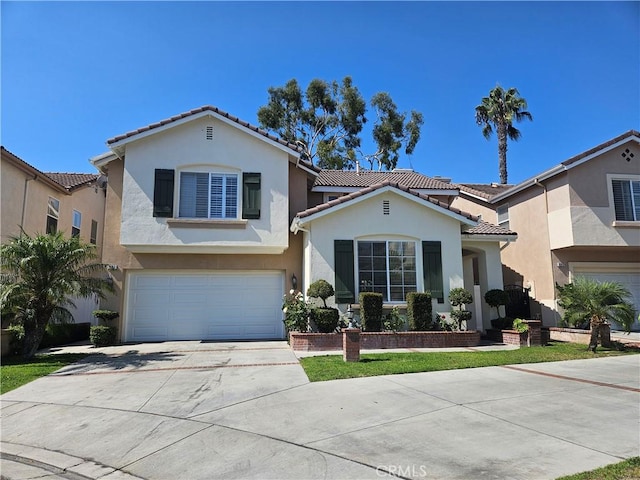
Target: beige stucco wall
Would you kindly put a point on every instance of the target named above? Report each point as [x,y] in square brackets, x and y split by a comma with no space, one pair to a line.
[88,200]
[475,207]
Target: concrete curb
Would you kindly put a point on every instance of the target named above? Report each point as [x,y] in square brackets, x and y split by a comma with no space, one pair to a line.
[61,464]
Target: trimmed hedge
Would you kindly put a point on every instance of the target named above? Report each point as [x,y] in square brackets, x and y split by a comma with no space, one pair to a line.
[326,319]
[63,333]
[102,336]
[419,311]
[371,311]
[504,323]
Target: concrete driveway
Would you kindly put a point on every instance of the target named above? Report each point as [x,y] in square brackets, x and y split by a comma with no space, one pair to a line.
[191,410]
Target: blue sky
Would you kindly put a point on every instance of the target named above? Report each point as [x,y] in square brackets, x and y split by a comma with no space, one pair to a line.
[77,73]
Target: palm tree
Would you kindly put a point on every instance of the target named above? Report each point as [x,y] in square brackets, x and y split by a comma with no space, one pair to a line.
[39,275]
[498,111]
[597,302]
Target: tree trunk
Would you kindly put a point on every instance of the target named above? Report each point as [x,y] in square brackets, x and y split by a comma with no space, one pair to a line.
[33,334]
[502,153]
[596,325]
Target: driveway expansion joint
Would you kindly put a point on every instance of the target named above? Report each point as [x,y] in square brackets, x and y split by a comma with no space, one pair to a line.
[573,379]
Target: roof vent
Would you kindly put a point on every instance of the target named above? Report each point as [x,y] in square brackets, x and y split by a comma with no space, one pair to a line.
[403,170]
[209,132]
[442,179]
[385,207]
[627,155]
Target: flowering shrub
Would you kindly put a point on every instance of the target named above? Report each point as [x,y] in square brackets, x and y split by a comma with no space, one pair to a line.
[393,321]
[296,312]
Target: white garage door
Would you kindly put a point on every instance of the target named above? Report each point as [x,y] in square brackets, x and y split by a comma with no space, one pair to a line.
[204,306]
[630,280]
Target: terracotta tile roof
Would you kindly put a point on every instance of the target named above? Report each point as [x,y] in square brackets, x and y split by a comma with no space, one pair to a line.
[486,228]
[378,186]
[366,178]
[72,180]
[222,113]
[483,190]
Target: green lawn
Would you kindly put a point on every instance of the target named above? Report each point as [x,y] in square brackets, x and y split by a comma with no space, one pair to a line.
[15,371]
[332,367]
[625,470]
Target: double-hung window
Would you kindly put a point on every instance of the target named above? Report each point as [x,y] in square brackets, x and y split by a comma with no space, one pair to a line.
[208,195]
[75,226]
[387,267]
[626,199]
[503,215]
[53,212]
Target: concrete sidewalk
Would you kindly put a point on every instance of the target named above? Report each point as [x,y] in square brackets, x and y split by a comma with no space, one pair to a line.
[194,410]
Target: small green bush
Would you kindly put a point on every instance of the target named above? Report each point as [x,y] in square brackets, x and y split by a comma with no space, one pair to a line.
[393,321]
[321,289]
[17,338]
[326,319]
[520,326]
[419,311]
[296,311]
[105,315]
[496,297]
[371,311]
[102,336]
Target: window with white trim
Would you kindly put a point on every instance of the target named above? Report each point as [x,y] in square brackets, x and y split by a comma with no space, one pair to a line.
[503,215]
[53,212]
[208,195]
[626,199]
[75,225]
[387,267]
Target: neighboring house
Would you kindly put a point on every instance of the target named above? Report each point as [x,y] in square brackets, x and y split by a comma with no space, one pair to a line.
[210,221]
[42,202]
[581,217]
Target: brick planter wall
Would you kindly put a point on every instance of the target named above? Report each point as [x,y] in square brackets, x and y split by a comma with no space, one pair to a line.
[382,340]
[575,335]
[513,337]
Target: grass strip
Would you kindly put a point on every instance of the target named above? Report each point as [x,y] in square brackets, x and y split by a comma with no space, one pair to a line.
[15,371]
[332,367]
[625,470]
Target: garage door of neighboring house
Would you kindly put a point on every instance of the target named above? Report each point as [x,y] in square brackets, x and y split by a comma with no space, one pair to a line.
[190,305]
[630,280]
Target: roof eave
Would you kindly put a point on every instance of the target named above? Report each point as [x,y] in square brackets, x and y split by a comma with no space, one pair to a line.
[483,237]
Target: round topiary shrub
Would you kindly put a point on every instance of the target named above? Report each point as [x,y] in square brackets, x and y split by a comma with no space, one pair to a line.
[326,319]
[105,316]
[321,289]
[102,336]
[495,298]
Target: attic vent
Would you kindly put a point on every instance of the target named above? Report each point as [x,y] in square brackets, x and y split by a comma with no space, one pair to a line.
[627,155]
[209,132]
[385,207]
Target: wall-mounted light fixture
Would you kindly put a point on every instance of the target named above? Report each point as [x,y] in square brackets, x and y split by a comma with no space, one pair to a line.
[294,281]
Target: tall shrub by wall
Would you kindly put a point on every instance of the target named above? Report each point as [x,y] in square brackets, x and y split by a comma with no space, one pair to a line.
[371,311]
[419,311]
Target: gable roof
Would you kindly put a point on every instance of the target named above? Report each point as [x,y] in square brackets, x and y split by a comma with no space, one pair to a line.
[628,136]
[209,109]
[366,178]
[486,228]
[485,191]
[325,207]
[63,182]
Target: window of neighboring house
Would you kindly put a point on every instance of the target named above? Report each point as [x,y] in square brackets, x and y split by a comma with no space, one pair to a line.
[208,195]
[331,196]
[94,232]
[387,267]
[53,212]
[626,199]
[503,216]
[75,226]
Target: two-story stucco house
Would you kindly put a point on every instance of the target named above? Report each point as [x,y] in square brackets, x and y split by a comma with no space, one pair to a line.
[42,202]
[581,217]
[211,220]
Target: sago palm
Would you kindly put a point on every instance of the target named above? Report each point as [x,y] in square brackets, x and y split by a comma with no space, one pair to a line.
[40,274]
[498,111]
[588,299]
